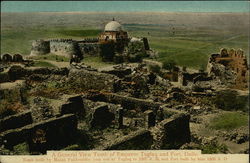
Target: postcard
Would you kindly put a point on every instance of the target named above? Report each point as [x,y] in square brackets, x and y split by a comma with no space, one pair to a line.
[124,81]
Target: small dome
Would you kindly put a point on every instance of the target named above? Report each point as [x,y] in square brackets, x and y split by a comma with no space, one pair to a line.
[113,26]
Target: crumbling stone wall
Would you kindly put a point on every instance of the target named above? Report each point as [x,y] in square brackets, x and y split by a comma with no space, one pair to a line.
[58,132]
[185,77]
[15,121]
[73,105]
[233,60]
[126,102]
[18,72]
[100,117]
[15,93]
[132,103]
[173,132]
[138,140]
[88,80]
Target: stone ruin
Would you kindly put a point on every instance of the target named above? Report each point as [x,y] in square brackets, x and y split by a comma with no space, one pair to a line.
[10,58]
[230,66]
[7,59]
[227,69]
[124,121]
[121,107]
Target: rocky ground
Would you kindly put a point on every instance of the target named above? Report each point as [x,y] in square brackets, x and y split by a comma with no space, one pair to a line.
[54,89]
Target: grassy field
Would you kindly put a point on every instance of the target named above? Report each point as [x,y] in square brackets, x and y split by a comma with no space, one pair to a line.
[229,121]
[20,40]
[43,64]
[188,47]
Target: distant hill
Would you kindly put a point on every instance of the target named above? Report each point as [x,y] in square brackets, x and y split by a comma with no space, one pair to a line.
[98,20]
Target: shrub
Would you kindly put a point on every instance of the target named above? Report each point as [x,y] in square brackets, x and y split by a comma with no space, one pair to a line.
[43,64]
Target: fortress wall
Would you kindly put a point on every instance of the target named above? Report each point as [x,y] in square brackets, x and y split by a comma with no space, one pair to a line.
[40,47]
[91,49]
[64,47]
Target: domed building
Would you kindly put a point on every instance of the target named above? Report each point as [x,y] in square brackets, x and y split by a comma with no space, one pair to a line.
[113,32]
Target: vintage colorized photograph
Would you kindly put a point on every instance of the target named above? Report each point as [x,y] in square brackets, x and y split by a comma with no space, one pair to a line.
[124,75]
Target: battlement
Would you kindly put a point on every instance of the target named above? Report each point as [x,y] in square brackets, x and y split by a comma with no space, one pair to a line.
[89,40]
[61,40]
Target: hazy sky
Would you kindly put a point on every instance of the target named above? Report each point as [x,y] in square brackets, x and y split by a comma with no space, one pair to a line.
[125,6]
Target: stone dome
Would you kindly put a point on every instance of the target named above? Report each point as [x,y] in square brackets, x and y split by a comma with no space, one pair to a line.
[113,26]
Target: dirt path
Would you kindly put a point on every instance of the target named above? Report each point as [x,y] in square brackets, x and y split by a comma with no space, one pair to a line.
[58,64]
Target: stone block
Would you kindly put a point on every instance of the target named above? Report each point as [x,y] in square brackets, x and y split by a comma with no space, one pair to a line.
[149,118]
[119,118]
[53,133]
[176,131]
[101,117]
[15,121]
[73,105]
[138,140]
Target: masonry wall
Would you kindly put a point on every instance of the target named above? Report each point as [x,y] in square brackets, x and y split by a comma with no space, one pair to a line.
[91,49]
[92,80]
[15,121]
[236,61]
[59,131]
[138,140]
[127,102]
[64,47]
[176,131]
[18,72]
[40,47]
[172,132]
